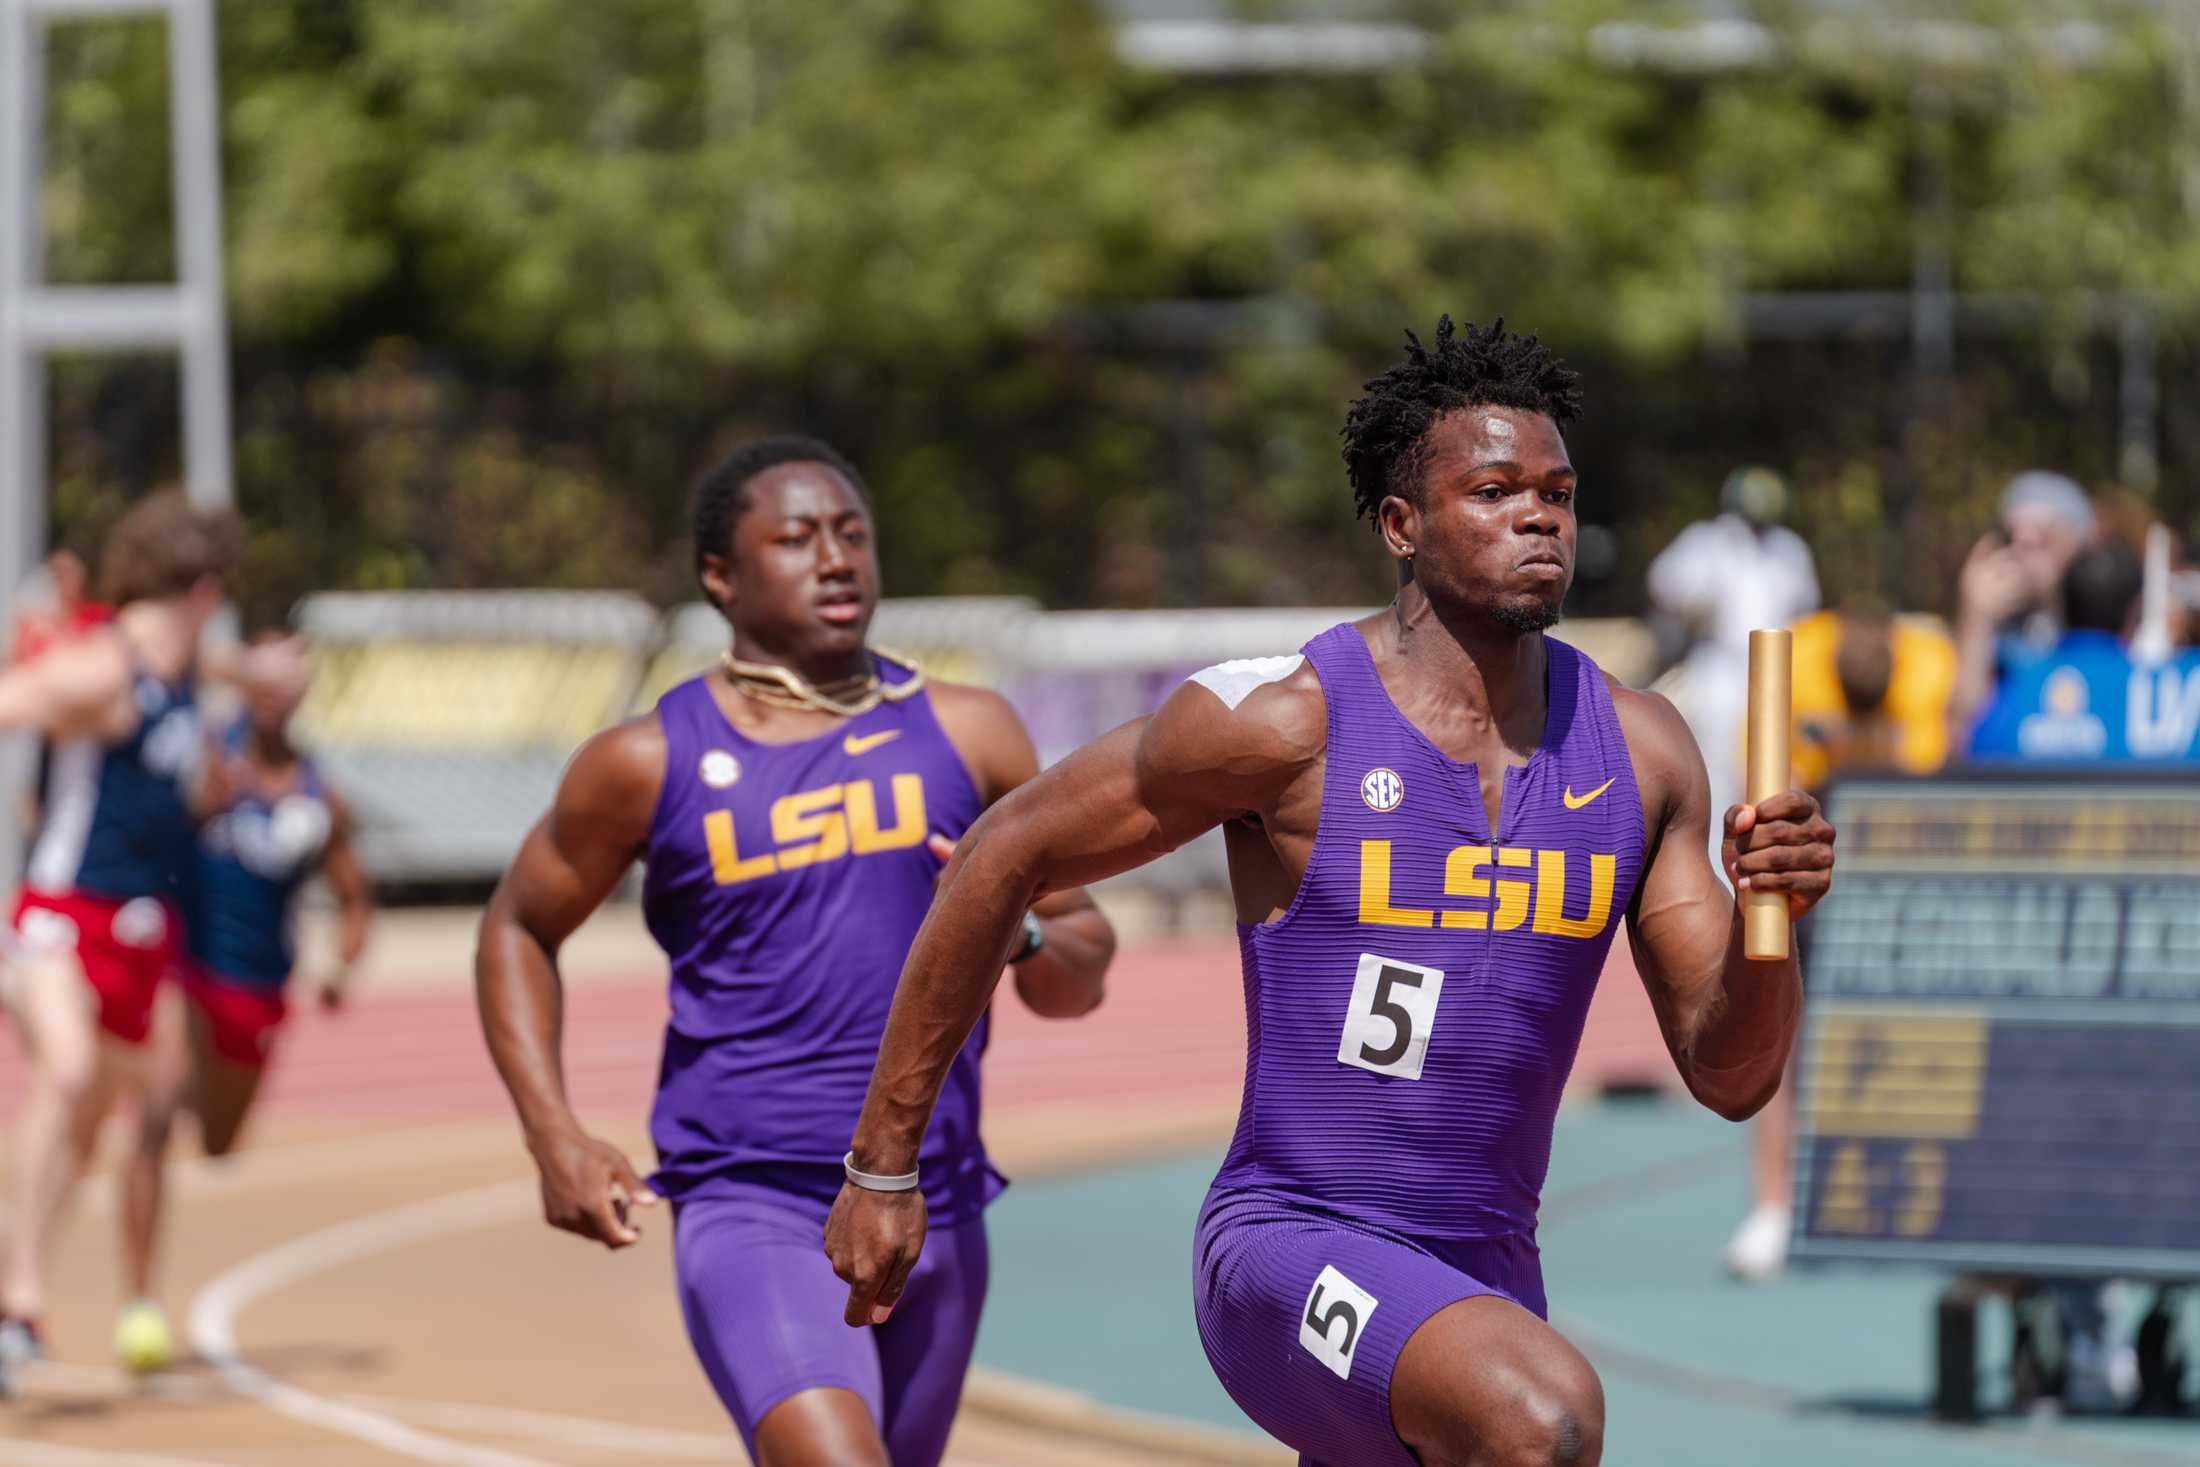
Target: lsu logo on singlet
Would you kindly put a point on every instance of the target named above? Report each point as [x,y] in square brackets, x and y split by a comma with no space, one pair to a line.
[1536,897]
[811,827]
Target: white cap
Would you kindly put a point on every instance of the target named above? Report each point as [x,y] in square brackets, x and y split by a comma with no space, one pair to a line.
[2054,494]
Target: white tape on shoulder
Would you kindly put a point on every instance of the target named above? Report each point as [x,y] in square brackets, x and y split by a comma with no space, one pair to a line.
[1234,682]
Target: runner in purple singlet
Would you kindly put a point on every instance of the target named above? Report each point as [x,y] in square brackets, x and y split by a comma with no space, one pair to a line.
[1437,819]
[792,808]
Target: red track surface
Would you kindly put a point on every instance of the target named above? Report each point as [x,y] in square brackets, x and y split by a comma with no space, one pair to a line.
[1173,1025]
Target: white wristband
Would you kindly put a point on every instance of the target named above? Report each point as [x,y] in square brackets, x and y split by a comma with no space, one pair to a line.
[873,1182]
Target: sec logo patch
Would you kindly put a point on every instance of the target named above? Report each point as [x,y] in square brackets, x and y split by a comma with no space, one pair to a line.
[1382,789]
[719,769]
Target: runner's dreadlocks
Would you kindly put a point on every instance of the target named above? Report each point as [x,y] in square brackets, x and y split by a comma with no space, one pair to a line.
[1477,367]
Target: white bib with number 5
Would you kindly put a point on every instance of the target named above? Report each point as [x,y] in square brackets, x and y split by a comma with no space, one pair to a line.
[1337,1311]
[1393,1008]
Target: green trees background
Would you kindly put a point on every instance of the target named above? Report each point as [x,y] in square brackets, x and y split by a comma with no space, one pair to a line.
[505,274]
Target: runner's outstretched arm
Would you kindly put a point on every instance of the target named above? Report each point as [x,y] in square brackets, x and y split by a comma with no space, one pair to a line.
[1066,977]
[72,690]
[1130,796]
[567,865]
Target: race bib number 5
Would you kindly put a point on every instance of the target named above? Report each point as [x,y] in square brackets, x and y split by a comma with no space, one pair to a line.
[1393,1008]
[1336,1314]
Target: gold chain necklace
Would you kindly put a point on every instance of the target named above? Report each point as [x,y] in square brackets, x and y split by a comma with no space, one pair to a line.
[783,687]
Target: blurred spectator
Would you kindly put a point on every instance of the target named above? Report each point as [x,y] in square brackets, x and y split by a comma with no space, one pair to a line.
[1871,691]
[1723,578]
[2184,593]
[2089,698]
[2156,628]
[1871,694]
[55,605]
[2008,612]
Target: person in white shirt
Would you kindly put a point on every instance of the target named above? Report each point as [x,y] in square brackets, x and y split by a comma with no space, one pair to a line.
[1723,578]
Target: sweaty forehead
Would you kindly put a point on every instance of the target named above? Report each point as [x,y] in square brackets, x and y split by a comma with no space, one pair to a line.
[803,490]
[1467,436]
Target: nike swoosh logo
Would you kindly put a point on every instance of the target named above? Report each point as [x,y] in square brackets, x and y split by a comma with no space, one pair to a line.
[865,743]
[1574,804]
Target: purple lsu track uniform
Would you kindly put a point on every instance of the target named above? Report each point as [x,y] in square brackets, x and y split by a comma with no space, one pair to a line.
[785,883]
[1411,1020]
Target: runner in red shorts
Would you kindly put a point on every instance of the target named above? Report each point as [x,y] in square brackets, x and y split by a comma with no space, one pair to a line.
[96,926]
[273,824]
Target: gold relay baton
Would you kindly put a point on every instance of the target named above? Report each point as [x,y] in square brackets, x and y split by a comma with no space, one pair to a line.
[1771,717]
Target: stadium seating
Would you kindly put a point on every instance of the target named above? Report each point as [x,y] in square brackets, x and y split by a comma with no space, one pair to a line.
[444,718]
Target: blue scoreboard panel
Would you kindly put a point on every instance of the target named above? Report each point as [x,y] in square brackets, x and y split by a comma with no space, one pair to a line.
[2000,1064]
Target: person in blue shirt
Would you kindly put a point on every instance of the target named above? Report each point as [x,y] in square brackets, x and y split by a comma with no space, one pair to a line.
[2089,700]
[2008,597]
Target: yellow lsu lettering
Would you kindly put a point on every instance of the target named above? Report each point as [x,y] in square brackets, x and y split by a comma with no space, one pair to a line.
[1512,896]
[811,827]
[1462,878]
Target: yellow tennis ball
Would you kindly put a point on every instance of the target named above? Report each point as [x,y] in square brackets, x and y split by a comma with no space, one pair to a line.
[142,1341]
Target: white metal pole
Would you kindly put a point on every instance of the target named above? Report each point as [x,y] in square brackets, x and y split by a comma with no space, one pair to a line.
[22,399]
[193,66]
[22,374]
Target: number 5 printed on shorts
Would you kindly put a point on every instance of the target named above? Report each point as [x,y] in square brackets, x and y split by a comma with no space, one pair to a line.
[1336,1315]
[1393,1008]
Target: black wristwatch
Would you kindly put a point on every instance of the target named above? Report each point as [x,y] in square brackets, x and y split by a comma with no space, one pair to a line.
[1035,938]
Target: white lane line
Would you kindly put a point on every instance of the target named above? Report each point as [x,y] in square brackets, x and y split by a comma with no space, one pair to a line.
[214,1314]
[15,1453]
[578,1431]
[542,1426]
[212,1330]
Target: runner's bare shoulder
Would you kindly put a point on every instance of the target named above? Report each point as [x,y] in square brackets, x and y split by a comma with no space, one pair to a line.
[1659,743]
[987,735]
[965,706]
[617,774]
